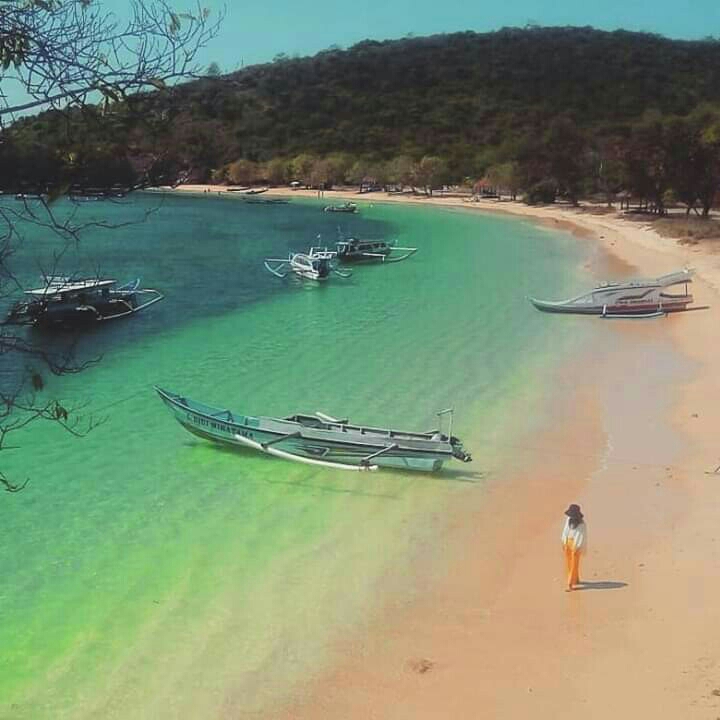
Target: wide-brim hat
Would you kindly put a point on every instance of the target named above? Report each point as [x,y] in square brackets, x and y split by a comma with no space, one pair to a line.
[574,511]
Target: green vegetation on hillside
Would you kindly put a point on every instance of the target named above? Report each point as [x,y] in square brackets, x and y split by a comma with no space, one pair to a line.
[545,111]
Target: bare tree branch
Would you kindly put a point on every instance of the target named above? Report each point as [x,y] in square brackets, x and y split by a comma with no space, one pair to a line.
[66,51]
[68,56]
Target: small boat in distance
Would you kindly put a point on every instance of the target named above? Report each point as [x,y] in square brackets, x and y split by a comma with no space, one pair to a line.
[71,302]
[264,201]
[356,250]
[319,439]
[316,264]
[347,207]
[630,299]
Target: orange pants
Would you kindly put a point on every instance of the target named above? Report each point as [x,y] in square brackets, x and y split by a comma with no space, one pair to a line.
[572,562]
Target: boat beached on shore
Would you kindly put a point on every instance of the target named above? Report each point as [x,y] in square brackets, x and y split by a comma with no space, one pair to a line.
[630,299]
[319,439]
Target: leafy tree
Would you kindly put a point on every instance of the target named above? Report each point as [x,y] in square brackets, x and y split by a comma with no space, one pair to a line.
[357,172]
[607,160]
[566,150]
[694,148]
[277,171]
[648,159]
[213,70]
[431,172]
[506,176]
[401,170]
[338,165]
[302,166]
[321,173]
[243,172]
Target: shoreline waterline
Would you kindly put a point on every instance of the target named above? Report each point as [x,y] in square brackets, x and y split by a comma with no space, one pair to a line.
[631,646]
[238,571]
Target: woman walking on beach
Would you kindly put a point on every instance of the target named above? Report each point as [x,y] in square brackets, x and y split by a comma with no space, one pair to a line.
[574,540]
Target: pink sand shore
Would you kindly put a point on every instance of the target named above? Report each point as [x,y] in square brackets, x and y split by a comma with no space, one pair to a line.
[494,635]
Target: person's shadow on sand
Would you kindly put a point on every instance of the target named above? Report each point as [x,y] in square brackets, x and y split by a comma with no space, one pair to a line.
[600,585]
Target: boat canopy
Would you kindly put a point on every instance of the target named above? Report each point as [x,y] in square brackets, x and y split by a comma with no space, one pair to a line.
[674,278]
[65,285]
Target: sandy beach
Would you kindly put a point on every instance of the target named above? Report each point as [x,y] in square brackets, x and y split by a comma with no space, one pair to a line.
[633,441]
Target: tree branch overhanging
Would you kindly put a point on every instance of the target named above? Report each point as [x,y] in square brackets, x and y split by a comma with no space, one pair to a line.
[65,51]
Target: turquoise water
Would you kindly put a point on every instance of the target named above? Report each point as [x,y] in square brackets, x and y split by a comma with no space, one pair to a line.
[149,574]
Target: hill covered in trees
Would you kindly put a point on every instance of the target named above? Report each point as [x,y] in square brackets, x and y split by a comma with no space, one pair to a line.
[542,110]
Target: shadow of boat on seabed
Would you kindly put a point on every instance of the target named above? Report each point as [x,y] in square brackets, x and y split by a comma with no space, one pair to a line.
[601,585]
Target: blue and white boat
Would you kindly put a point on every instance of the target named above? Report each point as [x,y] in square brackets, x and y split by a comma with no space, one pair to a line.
[319,439]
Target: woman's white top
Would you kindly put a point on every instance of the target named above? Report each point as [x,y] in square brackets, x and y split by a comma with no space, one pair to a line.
[575,538]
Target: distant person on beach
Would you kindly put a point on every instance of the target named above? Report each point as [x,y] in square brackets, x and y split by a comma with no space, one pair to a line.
[574,540]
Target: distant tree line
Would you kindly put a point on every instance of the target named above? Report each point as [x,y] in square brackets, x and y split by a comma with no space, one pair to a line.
[543,112]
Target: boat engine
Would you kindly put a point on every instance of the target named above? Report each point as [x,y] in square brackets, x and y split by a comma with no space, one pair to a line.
[24,313]
[459,451]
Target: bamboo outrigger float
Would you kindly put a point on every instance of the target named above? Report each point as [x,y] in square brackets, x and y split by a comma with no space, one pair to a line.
[632,299]
[319,439]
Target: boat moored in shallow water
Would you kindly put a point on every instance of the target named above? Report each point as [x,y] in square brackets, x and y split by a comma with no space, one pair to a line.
[357,250]
[347,207]
[71,303]
[319,439]
[316,264]
[634,298]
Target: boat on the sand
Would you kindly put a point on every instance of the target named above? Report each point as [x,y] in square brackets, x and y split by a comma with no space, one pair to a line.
[627,299]
[319,439]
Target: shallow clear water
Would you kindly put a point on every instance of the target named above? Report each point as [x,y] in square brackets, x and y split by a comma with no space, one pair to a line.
[149,574]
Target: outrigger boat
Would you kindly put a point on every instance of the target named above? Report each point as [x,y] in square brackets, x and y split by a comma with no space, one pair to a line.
[348,207]
[69,303]
[632,299]
[264,201]
[316,264]
[356,250]
[319,439]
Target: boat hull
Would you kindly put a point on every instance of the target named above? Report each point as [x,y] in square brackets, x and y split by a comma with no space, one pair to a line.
[222,426]
[624,309]
[70,315]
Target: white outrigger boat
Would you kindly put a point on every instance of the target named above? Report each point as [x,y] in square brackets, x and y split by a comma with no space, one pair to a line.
[316,264]
[356,250]
[631,299]
[70,303]
[319,439]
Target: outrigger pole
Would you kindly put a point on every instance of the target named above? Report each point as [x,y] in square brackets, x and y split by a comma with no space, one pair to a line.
[297,458]
[448,411]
